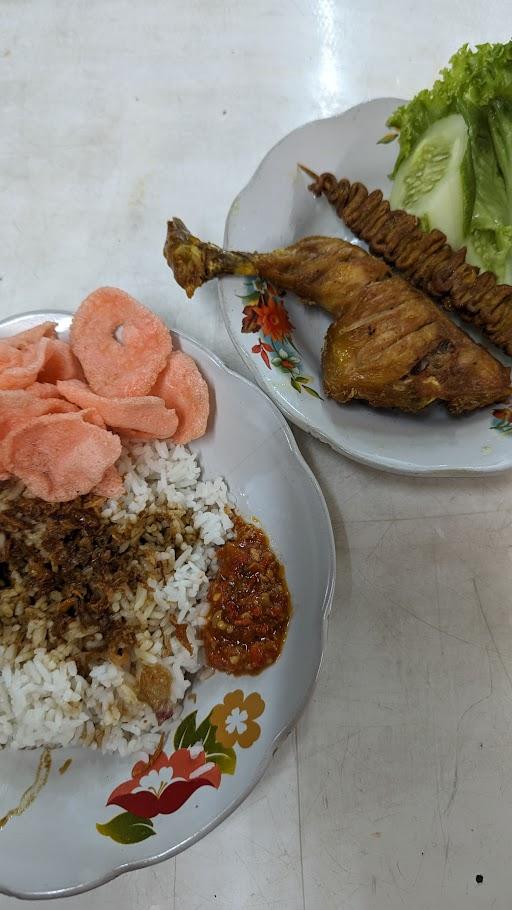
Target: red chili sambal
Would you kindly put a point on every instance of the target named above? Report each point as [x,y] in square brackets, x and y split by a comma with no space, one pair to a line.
[250,604]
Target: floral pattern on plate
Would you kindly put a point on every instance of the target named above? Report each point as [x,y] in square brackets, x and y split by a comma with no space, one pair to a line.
[266,315]
[502,420]
[202,754]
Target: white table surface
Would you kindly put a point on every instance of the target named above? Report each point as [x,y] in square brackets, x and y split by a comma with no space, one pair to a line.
[396,789]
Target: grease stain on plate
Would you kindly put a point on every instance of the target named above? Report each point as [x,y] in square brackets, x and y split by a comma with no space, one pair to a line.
[32,792]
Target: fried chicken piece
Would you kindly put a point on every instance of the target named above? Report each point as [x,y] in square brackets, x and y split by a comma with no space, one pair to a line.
[389,345]
[393,348]
[423,258]
[321,270]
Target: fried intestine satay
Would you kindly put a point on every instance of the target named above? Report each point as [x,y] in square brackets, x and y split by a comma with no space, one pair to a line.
[423,257]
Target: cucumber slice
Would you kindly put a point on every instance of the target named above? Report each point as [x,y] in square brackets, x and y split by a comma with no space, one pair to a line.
[435,183]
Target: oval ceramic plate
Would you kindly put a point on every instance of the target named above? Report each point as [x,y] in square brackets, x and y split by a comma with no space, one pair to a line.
[283,350]
[251,446]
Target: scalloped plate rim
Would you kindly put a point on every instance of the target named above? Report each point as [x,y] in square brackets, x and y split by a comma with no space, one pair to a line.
[378,462]
[287,728]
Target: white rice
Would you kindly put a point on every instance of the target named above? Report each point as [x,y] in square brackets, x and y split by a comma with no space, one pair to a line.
[43,698]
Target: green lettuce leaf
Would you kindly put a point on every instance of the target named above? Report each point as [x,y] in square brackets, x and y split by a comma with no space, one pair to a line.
[491,251]
[489,234]
[490,205]
[478,77]
[499,118]
[477,84]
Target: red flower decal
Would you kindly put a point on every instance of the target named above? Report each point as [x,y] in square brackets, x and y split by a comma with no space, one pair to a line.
[273,318]
[163,785]
[503,414]
[250,322]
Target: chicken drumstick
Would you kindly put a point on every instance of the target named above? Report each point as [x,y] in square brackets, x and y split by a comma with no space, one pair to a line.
[389,344]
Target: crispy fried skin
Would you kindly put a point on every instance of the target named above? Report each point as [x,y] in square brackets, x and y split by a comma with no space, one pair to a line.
[393,348]
[424,258]
[390,345]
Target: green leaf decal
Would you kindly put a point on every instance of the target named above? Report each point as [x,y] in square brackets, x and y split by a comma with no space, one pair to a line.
[127,828]
[389,137]
[186,734]
[224,757]
[296,385]
[312,392]
[250,298]
[205,734]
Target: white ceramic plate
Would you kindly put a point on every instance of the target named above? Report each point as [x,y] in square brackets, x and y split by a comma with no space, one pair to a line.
[276,209]
[250,444]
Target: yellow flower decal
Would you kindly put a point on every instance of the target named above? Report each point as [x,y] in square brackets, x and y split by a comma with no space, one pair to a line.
[235,719]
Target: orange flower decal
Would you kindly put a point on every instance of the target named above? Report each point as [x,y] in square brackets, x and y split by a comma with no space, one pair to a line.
[164,784]
[273,319]
[503,414]
[235,719]
[502,420]
[265,314]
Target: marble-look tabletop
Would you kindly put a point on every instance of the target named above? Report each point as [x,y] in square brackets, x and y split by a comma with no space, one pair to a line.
[396,788]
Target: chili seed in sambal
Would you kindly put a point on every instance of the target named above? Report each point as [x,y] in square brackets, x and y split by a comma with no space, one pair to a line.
[250,604]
